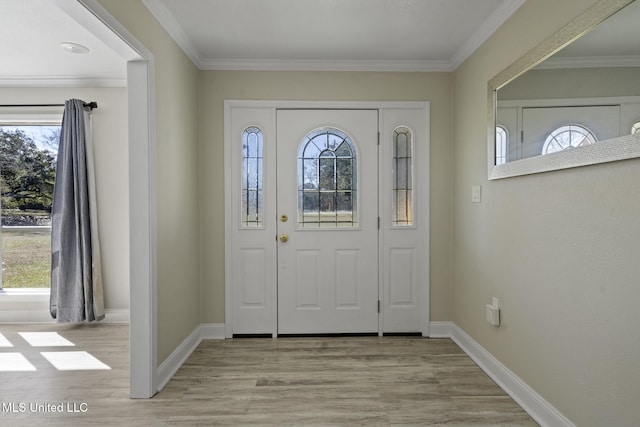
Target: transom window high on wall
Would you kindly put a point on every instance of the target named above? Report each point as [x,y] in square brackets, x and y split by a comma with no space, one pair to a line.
[27,168]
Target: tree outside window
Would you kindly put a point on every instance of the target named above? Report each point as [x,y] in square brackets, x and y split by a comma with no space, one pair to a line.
[27,176]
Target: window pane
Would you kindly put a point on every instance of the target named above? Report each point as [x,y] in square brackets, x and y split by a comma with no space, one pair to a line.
[401,203]
[344,174]
[402,175]
[252,176]
[327,180]
[27,165]
[327,174]
[327,206]
[568,137]
[345,203]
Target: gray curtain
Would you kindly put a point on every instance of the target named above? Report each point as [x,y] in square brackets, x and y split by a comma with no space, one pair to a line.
[76,277]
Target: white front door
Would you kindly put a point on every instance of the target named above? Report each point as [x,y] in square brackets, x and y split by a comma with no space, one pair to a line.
[327,205]
[327,217]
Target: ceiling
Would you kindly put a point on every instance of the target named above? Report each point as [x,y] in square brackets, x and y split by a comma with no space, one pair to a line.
[432,35]
[379,35]
[30,35]
[402,35]
[614,42]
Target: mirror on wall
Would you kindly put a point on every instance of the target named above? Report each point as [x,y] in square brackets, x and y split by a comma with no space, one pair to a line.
[572,101]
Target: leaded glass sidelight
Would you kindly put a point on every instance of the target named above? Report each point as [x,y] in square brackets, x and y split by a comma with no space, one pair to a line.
[252,175]
[327,180]
[402,166]
[501,145]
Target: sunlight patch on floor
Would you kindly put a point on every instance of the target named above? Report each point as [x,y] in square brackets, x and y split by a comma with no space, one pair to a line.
[73,360]
[46,339]
[14,362]
[61,360]
[4,342]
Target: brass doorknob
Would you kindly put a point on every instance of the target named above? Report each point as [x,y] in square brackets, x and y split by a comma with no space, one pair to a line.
[284,218]
[284,238]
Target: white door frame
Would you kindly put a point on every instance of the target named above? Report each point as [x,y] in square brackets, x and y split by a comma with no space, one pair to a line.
[421,199]
[94,17]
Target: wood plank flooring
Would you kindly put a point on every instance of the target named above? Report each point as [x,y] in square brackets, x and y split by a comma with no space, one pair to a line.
[344,381]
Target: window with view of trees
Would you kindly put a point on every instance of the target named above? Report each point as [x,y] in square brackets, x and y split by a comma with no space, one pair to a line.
[327,187]
[27,173]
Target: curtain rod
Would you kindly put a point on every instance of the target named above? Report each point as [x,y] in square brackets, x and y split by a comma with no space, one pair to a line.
[92,105]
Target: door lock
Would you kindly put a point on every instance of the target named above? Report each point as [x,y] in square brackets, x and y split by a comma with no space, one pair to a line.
[284,238]
[284,218]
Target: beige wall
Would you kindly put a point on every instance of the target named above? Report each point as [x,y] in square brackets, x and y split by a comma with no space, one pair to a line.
[111,155]
[560,251]
[178,281]
[216,86]
[574,83]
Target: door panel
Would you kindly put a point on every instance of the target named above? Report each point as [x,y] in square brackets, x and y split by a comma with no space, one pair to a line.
[327,269]
[402,272]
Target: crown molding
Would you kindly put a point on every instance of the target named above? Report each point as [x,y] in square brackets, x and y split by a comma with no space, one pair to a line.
[62,81]
[324,65]
[175,31]
[589,62]
[486,30]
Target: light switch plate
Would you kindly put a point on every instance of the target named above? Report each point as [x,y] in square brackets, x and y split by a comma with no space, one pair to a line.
[476,194]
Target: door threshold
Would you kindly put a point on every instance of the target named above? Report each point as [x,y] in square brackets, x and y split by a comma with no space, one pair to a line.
[330,335]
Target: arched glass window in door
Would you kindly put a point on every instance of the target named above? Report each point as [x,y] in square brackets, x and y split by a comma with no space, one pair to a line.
[567,137]
[402,173]
[327,180]
[252,175]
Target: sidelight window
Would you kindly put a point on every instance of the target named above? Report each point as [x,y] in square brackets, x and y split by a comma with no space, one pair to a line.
[252,177]
[402,173]
[501,145]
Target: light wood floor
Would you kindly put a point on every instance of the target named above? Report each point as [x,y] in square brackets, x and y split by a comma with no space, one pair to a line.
[372,381]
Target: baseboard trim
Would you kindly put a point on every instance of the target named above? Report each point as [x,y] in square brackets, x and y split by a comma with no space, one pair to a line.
[116,316]
[170,366]
[440,329]
[39,313]
[535,405]
[212,331]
